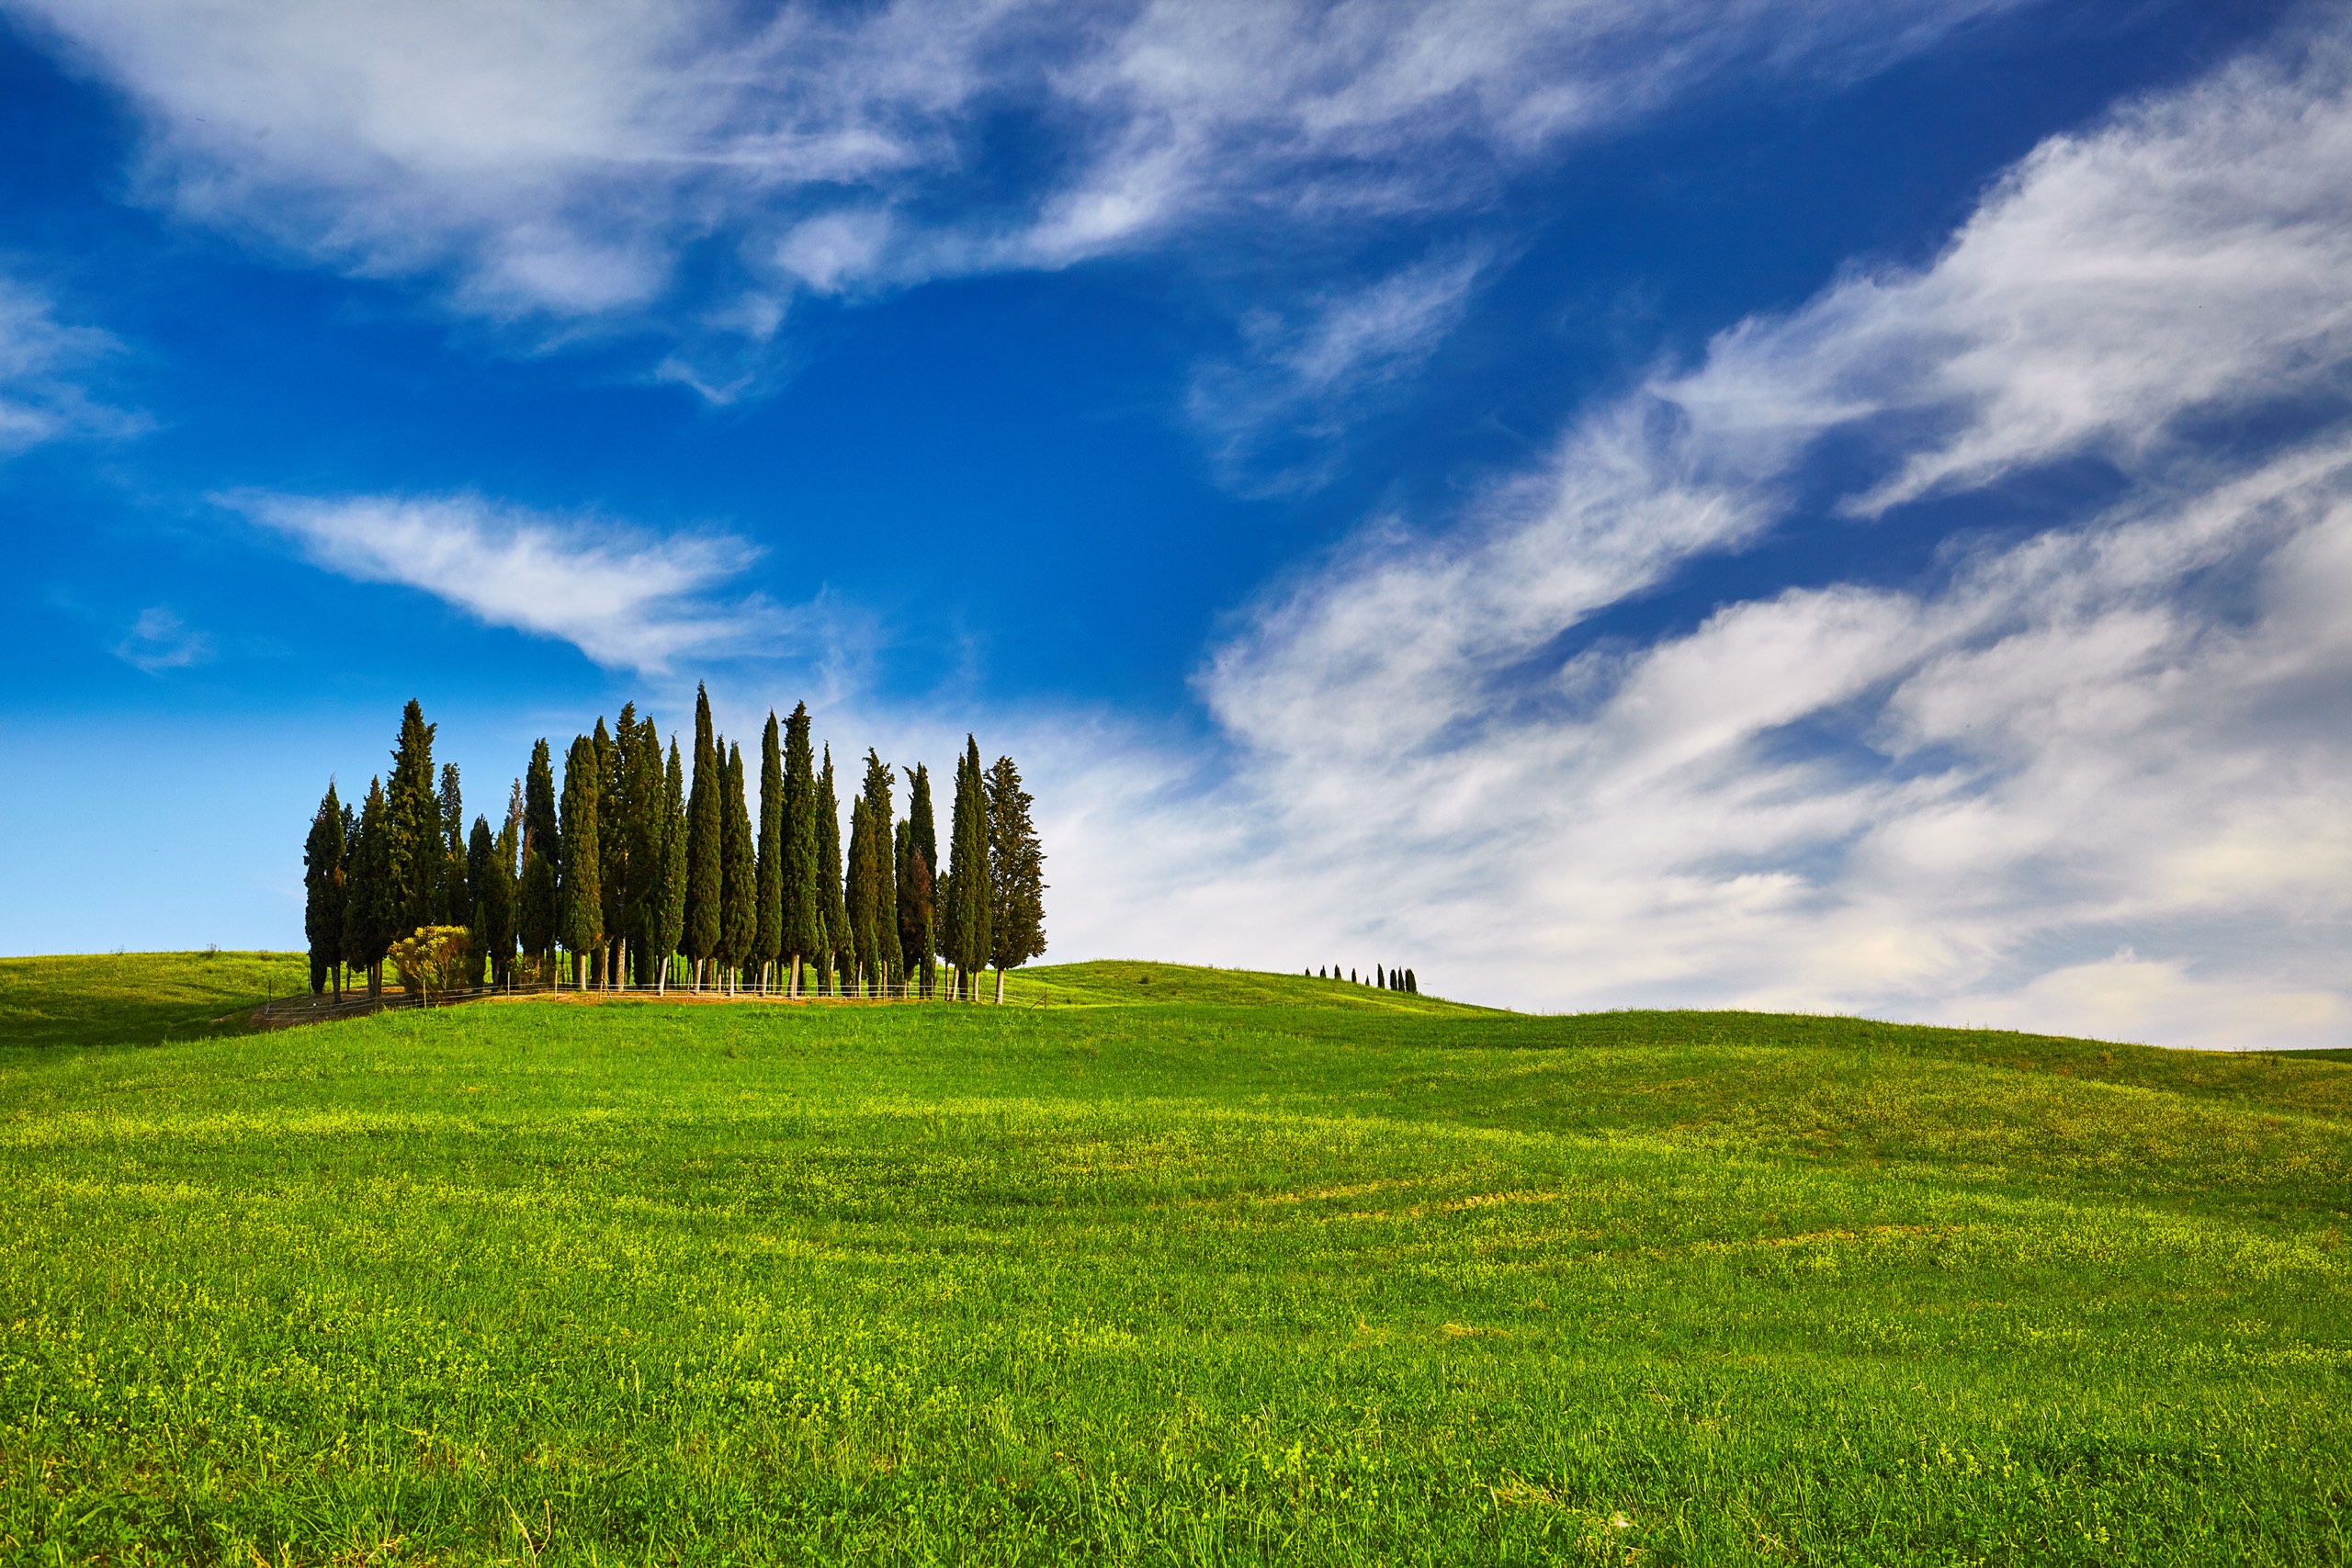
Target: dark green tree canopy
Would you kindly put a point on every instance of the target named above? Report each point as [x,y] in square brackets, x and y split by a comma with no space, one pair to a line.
[580,923]
[738,867]
[1016,871]
[322,889]
[705,888]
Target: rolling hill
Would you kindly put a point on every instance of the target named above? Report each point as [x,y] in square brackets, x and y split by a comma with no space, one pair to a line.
[1152,1264]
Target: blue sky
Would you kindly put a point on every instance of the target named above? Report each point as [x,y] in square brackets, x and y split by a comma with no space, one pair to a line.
[1777,503]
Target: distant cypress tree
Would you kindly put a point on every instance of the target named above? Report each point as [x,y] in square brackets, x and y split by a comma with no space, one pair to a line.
[1016,875]
[537,912]
[1376,977]
[705,884]
[833,942]
[414,842]
[674,866]
[739,869]
[1412,982]
[581,923]
[804,894]
[372,905]
[918,914]
[322,891]
[767,944]
[969,888]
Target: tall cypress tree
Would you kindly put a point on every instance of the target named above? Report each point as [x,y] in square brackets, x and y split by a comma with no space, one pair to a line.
[537,914]
[1016,875]
[917,916]
[489,866]
[612,831]
[581,923]
[967,875]
[739,869]
[646,822]
[414,842]
[803,895]
[674,864]
[768,945]
[881,872]
[322,891]
[455,907]
[924,835]
[858,893]
[703,885]
[372,906]
[833,938]
[491,892]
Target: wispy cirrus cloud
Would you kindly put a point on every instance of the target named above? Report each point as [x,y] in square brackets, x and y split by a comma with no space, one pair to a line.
[560,159]
[2090,778]
[1275,414]
[625,598]
[45,366]
[159,640]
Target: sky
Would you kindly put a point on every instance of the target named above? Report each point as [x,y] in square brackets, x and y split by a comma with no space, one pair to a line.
[1772,504]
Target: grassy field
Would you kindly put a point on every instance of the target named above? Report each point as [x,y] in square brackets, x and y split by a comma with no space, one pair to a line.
[1157,1265]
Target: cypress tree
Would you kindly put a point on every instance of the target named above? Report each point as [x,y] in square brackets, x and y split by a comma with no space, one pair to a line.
[804,895]
[881,872]
[581,923]
[739,869]
[371,893]
[768,945]
[1016,875]
[642,824]
[1412,982]
[923,838]
[833,940]
[704,888]
[917,915]
[612,831]
[537,915]
[455,908]
[322,891]
[674,866]
[490,891]
[967,875]
[859,893]
[414,842]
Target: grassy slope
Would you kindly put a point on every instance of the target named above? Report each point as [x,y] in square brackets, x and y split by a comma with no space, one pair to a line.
[1259,1269]
[139,997]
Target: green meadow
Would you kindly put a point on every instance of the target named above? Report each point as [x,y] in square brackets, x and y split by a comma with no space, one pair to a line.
[1152,1264]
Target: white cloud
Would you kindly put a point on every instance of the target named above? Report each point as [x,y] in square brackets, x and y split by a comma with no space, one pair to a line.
[159,640]
[44,364]
[624,598]
[562,157]
[1951,801]
[1275,415]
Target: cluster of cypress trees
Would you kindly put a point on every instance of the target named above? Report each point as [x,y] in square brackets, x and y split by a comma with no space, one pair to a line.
[1387,979]
[649,869]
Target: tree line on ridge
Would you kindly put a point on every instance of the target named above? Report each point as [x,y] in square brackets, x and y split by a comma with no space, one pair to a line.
[646,869]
